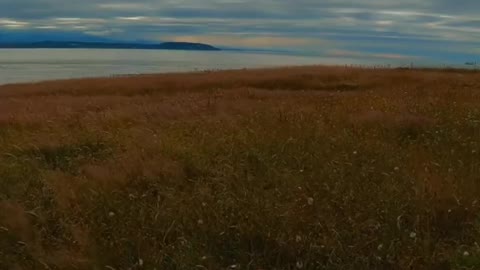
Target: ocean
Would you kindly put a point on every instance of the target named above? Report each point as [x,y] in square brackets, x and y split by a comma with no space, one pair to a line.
[31,65]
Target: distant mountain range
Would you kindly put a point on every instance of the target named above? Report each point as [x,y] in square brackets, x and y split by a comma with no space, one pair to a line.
[108,45]
[27,36]
[57,39]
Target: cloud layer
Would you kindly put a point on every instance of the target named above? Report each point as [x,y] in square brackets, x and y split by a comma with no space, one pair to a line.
[441,30]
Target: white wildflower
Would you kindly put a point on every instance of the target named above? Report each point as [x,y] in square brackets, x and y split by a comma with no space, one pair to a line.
[413,235]
[299,265]
[310,201]
[298,239]
[466,254]
[380,247]
[111,214]
[200,222]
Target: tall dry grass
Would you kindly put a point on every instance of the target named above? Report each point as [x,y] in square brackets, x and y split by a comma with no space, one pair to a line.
[295,168]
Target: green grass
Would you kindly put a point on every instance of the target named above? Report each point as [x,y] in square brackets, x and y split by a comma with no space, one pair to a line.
[66,157]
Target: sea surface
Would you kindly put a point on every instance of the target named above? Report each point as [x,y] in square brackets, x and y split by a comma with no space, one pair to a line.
[31,65]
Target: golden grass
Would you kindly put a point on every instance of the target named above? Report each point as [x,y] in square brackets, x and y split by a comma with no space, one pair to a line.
[294,168]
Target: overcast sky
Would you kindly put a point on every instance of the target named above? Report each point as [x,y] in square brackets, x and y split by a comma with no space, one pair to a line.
[447,30]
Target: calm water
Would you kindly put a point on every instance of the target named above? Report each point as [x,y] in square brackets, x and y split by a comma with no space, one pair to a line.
[25,65]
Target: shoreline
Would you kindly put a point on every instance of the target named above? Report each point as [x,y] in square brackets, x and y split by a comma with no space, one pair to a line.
[271,68]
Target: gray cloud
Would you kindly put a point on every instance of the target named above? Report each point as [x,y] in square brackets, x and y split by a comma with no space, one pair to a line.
[431,27]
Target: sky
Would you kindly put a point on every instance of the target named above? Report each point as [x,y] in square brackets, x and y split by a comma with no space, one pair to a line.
[392,30]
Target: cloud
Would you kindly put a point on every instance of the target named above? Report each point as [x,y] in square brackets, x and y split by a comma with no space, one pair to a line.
[46,27]
[439,29]
[252,42]
[10,23]
[124,6]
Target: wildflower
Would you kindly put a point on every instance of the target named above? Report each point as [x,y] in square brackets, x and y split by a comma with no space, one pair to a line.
[413,235]
[380,247]
[396,169]
[140,262]
[466,254]
[355,152]
[204,258]
[111,214]
[299,265]
[233,266]
[200,222]
[310,201]
[298,239]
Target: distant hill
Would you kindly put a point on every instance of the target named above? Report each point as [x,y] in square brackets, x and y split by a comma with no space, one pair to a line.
[108,45]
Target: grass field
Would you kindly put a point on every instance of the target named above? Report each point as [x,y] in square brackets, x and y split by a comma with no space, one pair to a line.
[294,168]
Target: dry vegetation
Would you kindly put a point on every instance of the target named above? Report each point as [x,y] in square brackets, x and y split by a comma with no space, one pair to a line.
[298,168]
